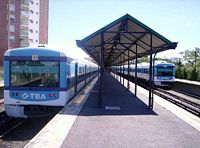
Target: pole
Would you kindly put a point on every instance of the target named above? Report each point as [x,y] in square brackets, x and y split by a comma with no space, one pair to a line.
[153,79]
[128,85]
[120,70]
[150,77]
[101,70]
[136,71]
[123,70]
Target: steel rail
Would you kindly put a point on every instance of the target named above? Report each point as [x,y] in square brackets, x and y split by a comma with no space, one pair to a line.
[192,106]
[8,124]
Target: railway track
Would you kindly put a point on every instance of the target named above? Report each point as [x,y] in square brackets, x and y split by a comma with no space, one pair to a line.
[186,101]
[8,124]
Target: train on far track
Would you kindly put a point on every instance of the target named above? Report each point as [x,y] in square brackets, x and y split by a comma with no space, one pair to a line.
[164,73]
[40,80]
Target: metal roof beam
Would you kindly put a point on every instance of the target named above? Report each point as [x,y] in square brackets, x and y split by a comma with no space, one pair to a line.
[122,53]
[147,51]
[139,39]
[127,48]
[123,27]
[128,32]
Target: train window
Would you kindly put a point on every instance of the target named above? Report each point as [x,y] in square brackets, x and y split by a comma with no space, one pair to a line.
[164,71]
[81,70]
[34,74]
[146,71]
[68,69]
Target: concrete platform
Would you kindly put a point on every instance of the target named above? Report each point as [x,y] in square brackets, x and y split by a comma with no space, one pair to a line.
[188,81]
[123,121]
[187,86]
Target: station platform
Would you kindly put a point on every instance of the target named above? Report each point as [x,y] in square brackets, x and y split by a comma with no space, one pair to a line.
[123,121]
[188,81]
[187,86]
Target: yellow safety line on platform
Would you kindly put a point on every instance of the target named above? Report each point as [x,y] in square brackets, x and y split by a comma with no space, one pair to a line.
[54,133]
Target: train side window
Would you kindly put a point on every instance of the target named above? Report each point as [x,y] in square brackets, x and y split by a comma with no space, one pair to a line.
[68,70]
[79,70]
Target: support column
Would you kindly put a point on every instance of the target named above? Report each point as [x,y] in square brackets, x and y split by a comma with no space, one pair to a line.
[120,69]
[128,85]
[136,70]
[123,70]
[150,77]
[85,75]
[98,72]
[101,70]
[152,93]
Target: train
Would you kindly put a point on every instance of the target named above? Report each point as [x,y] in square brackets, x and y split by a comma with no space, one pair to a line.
[164,73]
[40,80]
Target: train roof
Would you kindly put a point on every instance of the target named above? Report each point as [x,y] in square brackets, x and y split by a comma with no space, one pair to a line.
[27,51]
[45,51]
[157,63]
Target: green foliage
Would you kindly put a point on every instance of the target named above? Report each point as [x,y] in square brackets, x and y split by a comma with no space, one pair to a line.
[193,74]
[179,73]
[185,74]
[191,69]
[143,59]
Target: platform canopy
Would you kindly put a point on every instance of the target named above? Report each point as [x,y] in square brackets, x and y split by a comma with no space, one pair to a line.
[124,39]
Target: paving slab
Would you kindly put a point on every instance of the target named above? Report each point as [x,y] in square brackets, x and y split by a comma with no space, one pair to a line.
[126,121]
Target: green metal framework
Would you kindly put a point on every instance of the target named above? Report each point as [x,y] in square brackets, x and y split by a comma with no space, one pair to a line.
[125,37]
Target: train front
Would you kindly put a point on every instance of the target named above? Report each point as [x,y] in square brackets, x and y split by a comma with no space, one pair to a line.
[33,83]
[164,74]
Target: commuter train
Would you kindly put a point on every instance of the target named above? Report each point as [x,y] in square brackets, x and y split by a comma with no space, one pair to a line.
[164,73]
[40,80]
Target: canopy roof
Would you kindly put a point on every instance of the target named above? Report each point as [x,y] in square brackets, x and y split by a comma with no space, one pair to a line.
[124,39]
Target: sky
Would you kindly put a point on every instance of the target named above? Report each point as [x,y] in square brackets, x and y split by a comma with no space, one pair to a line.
[177,20]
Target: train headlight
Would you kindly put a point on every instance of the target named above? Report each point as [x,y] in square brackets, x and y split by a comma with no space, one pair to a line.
[52,95]
[16,94]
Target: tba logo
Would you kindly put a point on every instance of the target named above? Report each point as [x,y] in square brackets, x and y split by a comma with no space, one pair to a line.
[32,96]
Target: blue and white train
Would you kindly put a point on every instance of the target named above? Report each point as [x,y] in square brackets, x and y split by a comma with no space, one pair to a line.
[39,80]
[164,73]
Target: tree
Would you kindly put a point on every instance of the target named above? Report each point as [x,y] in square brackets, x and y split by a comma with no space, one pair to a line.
[179,71]
[192,74]
[143,59]
[191,56]
[185,74]
[192,65]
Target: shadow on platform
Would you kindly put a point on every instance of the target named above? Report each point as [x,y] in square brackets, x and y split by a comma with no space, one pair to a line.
[118,99]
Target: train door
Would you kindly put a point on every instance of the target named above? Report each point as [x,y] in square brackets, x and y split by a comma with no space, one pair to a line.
[76,77]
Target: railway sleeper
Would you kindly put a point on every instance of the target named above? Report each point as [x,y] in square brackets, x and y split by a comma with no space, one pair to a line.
[184,105]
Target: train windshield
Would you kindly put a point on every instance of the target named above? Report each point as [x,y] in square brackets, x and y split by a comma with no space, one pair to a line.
[164,71]
[34,74]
